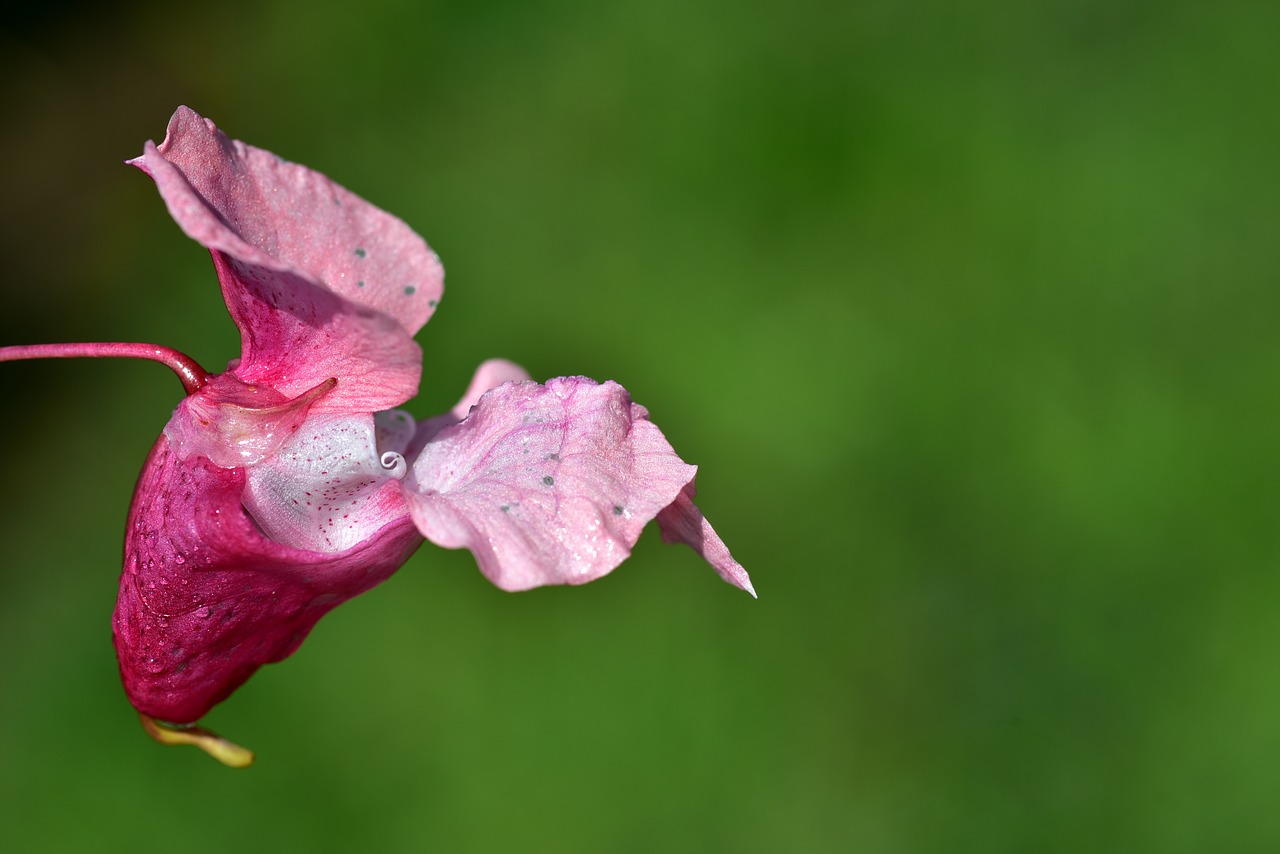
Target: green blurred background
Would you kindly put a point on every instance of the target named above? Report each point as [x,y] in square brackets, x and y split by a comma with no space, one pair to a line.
[965,310]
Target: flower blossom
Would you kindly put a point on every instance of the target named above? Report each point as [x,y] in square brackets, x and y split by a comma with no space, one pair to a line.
[291,483]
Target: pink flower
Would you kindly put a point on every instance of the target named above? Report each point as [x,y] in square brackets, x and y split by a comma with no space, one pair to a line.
[290,483]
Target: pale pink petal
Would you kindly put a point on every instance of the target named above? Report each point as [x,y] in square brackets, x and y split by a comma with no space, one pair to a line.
[545,484]
[683,522]
[206,599]
[321,283]
[329,487]
[489,375]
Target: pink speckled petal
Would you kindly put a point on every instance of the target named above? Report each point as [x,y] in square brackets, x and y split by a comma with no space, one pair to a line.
[330,486]
[321,283]
[545,484]
[206,599]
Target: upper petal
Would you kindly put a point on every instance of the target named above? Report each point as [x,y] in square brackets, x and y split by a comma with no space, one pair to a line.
[545,484]
[320,282]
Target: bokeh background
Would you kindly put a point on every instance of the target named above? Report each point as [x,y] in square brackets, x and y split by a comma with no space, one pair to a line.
[965,310]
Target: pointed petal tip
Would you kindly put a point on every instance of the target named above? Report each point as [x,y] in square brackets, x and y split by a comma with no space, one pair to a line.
[733,573]
[140,162]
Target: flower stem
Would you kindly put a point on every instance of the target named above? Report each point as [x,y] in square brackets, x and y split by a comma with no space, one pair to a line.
[188,370]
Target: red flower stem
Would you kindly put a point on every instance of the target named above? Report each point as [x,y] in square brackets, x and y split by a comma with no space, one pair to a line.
[188,370]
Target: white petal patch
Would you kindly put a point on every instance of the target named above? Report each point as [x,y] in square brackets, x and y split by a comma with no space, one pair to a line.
[330,487]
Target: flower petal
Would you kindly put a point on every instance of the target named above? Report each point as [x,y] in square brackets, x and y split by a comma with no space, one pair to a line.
[488,376]
[206,599]
[234,424]
[394,430]
[320,282]
[330,486]
[545,484]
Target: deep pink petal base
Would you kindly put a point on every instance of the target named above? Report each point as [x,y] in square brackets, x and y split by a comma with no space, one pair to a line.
[206,599]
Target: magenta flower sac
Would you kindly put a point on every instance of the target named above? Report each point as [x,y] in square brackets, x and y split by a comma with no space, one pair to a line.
[290,483]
